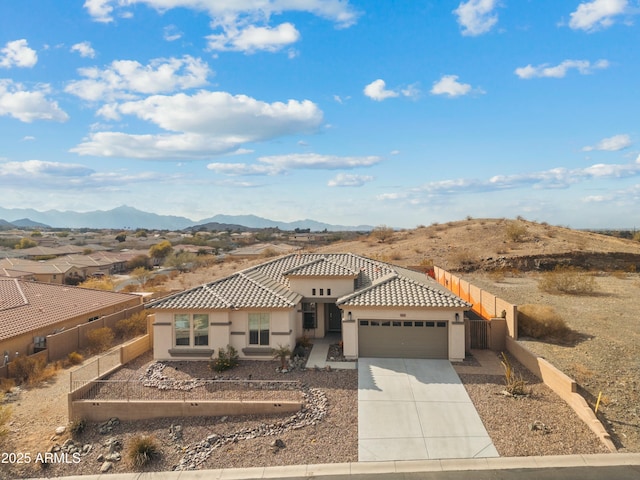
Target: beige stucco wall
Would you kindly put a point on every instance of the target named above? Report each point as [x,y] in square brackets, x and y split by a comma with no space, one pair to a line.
[226,327]
[456,330]
[339,286]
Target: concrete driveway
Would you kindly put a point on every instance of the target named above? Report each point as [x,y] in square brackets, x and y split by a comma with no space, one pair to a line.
[412,409]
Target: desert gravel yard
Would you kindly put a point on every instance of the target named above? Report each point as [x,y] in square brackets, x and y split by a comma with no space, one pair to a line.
[334,439]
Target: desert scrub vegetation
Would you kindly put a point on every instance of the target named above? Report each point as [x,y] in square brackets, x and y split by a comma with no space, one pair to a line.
[74,358]
[541,321]
[516,231]
[567,280]
[132,326]
[5,416]
[142,450]
[99,340]
[382,234]
[32,370]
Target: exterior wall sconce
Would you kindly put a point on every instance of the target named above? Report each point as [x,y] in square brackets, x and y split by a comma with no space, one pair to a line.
[457,317]
[349,316]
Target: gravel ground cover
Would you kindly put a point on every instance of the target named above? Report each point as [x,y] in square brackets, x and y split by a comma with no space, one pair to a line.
[541,424]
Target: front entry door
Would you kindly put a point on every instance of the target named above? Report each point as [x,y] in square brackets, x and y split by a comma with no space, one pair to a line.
[334,317]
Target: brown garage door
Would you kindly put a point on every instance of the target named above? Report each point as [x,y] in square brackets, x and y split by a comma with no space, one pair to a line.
[403,339]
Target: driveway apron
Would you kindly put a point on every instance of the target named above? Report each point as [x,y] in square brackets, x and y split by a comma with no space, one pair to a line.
[415,409]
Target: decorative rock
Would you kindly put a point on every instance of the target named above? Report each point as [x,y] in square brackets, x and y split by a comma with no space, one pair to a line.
[106,466]
[61,430]
[100,458]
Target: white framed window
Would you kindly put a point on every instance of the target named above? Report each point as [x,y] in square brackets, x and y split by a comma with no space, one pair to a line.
[259,326]
[191,330]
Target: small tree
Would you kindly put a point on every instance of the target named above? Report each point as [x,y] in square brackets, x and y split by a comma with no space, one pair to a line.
[141,275]
[139,261]
[25,243]
[283,354]
[121,237]
[161,250]
[182,261]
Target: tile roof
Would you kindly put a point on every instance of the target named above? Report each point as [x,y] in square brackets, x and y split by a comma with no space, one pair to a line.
[267,285]
[27,306]
[398,291]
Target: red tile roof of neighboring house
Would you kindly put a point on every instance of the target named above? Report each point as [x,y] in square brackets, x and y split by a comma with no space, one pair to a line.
[27,306]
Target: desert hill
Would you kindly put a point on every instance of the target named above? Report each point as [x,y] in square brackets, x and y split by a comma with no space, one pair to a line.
[491,244]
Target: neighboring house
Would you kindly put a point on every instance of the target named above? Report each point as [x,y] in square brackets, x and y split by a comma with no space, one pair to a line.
[29,311]
[379,310]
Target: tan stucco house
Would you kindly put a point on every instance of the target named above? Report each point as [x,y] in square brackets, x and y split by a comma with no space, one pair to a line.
[378,309]
[29,311]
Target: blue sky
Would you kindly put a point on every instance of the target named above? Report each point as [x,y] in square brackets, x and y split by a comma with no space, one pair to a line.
[345,111]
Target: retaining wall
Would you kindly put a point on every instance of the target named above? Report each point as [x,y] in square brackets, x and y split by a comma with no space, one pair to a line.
[102,410]
[564,386]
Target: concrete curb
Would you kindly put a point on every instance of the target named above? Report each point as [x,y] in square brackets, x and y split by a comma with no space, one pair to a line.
[375,468]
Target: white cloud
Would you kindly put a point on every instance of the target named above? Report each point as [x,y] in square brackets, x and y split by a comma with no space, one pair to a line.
[84,49]
[449,85]
[18,54]
[377,91]
[560,71]
[241,25]
[37,167]
[349,180]
[125,79]
[229,11]
[207,123]
[28,138]
[28,106]
[476,16]
[279,164]
[554,178]
[611,144]
[171,33]
[596,15]
[100,10]
[252,38]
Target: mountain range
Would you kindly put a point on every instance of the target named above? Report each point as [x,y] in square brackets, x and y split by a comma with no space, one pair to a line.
[125,218]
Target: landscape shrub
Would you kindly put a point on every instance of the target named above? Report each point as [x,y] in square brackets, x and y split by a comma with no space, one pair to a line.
[75,358]
[515,385]
[541,321]
[132,326]
[77,426]
[6,384]
[567,280]
[27,369]
[142,450]
[281,353]
[227,358]
[303,341]
[99,340]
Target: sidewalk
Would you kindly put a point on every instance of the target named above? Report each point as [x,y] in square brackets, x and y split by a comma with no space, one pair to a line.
[319,351]
[588,467]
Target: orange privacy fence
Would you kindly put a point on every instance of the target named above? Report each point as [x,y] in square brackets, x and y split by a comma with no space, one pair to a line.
[485,304]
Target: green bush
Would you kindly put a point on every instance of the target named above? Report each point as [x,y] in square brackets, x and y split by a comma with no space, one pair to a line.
[100,339]
[142,450]
[227,358]
[541,321]
[132,326]
[567,280]
[75,358]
